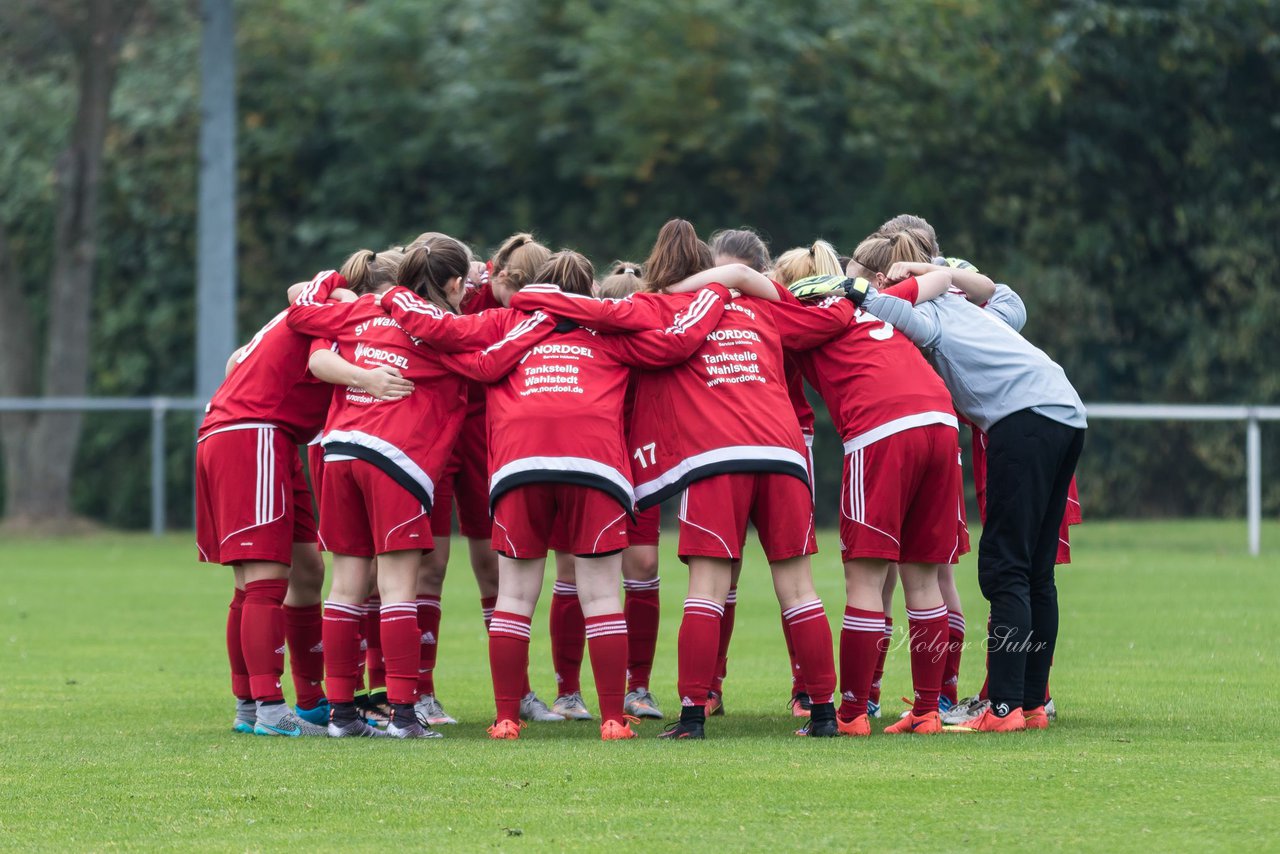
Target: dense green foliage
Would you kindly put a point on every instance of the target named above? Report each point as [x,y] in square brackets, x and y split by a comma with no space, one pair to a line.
[1118,163]
[1158,745]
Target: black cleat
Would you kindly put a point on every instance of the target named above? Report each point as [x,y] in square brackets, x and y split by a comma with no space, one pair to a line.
[822,721]
[691,723]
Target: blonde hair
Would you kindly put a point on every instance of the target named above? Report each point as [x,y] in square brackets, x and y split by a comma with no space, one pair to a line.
[911,222]
[622,281]
[879,252]
[820,259]
[370,272]
[520,256]
[570,270]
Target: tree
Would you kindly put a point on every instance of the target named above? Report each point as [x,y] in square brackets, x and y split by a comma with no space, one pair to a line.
[39,449]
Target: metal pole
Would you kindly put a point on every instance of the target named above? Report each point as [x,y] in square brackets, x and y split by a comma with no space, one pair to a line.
[216,238]
[1253,466]
[159,408]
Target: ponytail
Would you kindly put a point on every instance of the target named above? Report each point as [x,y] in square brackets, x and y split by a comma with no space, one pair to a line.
[622,281]
[428,265]
[520,257]
[370,272]
[570,270]
[818,259]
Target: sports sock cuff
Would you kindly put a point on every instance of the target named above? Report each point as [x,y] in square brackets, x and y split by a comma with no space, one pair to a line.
[636,586]
[703,608]
[399,611]
[606,624]
[804,612]
[860,620]
[428,601]
[564,588]
[732,598]
[343,612]
[955,619]
[507,624]
[938,613]
[268,589]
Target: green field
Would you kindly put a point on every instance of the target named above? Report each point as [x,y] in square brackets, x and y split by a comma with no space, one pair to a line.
[117,719]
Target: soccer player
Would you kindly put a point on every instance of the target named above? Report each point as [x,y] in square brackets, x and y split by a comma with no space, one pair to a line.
[466,485]
[382,461]
[548,481]
[720,429]
[1035,422]
[253,514]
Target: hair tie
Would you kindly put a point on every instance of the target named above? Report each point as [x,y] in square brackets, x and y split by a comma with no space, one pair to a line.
[373,256]
[632,271]
[426,247]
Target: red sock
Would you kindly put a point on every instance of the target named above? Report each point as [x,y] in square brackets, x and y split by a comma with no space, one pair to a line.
[302,629]
[568,637]
[401,648]
[486,608]
[859,651]
[429,634]
[508,661]
[982,692]
[726,635]
[643,608]
[955,648]
[262,636]
[235,655]
[885,642]
[375,667]
[797,675]
[811,633]
[697,643]
[342,658]
[928,634]
[607,636]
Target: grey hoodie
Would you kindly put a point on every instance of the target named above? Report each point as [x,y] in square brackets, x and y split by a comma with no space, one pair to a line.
[990,370]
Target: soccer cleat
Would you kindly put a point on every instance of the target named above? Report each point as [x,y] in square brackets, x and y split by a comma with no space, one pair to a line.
[505,730]
[533,709]
[800,705]
[246,717]
[431,713]
[279,719]
[692,728]
[989,721]
[1050,710]
[318,716]
[715,704]
[965,711]
[616,730]
[927,724]
[859,727]
[376,713]
[359,728]
[642,704]
[944,704]
[411,730]
[571,707]
[1036,718]
[873,708]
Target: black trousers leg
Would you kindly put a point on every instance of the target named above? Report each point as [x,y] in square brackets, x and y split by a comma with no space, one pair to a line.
[1024,460]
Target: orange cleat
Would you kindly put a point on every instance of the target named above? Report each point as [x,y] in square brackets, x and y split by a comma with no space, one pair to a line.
[988,721]
[505,730]
[859,727]
[616,730]
[715,703]
[1036,718]
[927,724]
[800,705]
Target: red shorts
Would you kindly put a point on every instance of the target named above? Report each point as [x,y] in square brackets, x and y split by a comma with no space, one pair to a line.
[466,484]
[252,501]
[315,467]
[901,498]
[364,512]
[536,516]
[714,512]
[442,501]
[647,527]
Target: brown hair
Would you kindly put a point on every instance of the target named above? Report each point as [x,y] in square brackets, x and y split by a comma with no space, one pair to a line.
[879,252]
[369,272]
[570,270]
[521,257]
[622,282]
[820,259]
[742,244]
[430,262]
[911,222]
[677,254]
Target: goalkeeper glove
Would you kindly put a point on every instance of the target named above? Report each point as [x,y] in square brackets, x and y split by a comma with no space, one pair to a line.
[816,287]
[960,264]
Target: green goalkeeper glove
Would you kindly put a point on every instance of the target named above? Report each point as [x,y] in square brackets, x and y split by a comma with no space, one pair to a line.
[817,287]
[960,264]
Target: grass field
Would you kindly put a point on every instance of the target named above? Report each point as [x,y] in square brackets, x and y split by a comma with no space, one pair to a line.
[117,721]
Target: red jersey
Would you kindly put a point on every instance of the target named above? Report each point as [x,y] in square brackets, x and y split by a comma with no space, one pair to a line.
[478,298]
[558,417]
[724,410]
[271,384]
[410,439]
[875,382]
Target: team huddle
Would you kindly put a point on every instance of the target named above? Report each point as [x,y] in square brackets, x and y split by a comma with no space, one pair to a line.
[557,412]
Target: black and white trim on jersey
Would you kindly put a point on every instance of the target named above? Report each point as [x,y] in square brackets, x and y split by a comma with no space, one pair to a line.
[731,460]
[580,471]
[342,445]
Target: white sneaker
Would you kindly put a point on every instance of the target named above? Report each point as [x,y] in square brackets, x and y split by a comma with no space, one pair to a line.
[1050,710]
[642,704]
[966,710]
[431,713]
[533,709]
[279,719]
[413,730]
[358,728]
[571,706]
